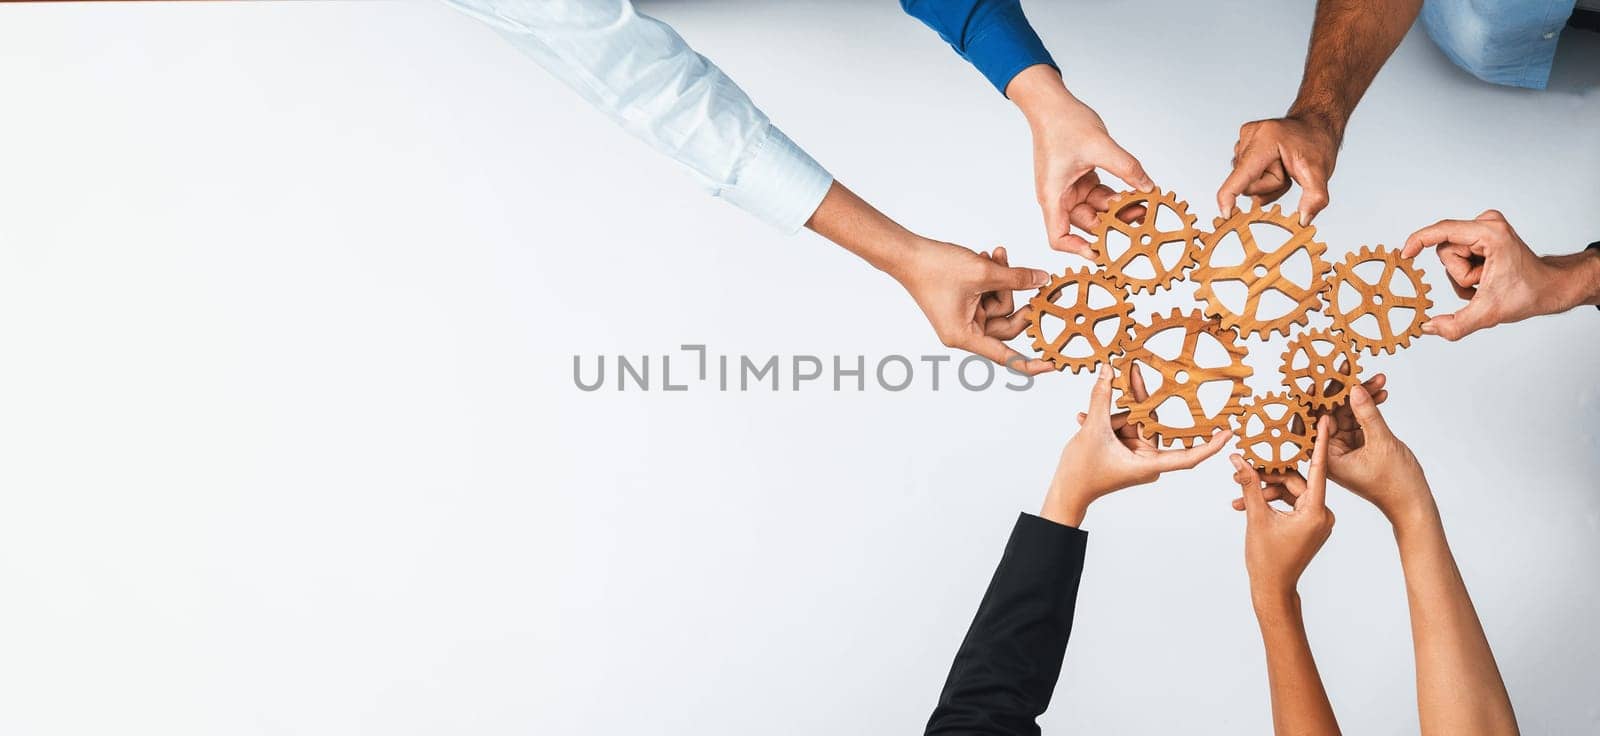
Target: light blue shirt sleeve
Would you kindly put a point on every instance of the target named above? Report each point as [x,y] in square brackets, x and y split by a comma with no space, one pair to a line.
[645,77]
[1509,42]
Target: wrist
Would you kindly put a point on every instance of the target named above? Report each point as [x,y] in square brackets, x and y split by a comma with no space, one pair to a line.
[1038,92]
[1324,119]
[1066,504]
[1418,517]
[898,254]
[1575,280]
[1274,600]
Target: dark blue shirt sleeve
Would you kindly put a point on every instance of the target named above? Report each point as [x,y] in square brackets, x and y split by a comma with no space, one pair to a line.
[993,35]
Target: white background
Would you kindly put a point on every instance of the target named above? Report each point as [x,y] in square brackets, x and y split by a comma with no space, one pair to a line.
[289,442]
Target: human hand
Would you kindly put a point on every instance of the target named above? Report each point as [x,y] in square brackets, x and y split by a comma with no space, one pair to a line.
[1367,459]
[968,299]
[1502,279]
[1278,545]
[1272,154]
[1070,143]
[1108,454]
[1346,438]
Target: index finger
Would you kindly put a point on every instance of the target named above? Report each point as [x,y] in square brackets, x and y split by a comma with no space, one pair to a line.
[1248,169]
[997,351]
[1464,232]
[1317,478]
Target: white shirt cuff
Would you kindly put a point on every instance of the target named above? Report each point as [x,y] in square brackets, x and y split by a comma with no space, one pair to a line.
[778,183]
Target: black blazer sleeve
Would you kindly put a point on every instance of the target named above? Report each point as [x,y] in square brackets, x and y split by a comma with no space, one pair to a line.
[1007,667]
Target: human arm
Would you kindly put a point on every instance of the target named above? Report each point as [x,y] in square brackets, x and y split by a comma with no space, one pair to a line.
[993,35]
[645,77]
[1459,689]
[1350,41]
[1278,547]
[1006,669]
[1070,141]
[1501,278]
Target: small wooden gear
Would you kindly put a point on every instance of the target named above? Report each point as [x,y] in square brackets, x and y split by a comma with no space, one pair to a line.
[1378,299]
[1287,440]
[1145,239]
[1261,271]
[1182,376]
[1079,320]
[1308,383]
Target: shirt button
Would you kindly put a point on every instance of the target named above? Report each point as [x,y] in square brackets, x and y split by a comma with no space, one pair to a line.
[1549,35]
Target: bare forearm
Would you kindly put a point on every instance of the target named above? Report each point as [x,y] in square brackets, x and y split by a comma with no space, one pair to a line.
[1576,281]
[858,227]
[1299,702]
[1350,41]
[1459,690]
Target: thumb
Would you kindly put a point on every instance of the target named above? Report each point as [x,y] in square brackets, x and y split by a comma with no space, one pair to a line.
[1469,319]
[1100,397]
[1125,167]
[1366,411]
[1250,485]
[1013,279]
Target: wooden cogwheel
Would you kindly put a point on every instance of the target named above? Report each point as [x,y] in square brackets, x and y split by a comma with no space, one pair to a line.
[1312,361]
[1145,238]
[1261,271]
[1377,300]
[1182,376]
[1279,424]
[1078,319]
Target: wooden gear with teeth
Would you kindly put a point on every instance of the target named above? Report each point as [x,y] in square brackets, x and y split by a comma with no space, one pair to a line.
[1182,376]
[1308,383]
[1079,319]
[1275,429]
[1145,238]
[1287,437]
[1261,271]
[1378,299]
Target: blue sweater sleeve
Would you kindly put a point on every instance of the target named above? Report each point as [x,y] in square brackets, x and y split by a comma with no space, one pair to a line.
[993,35]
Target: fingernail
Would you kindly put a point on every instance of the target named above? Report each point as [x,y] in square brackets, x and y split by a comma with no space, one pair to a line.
[1359,395]
[1040,278]
[1429,329]
[1305,219]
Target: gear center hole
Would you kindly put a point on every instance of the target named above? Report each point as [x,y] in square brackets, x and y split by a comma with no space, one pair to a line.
[1260,271]
[1377,299]
[1181,377]
[1144,239]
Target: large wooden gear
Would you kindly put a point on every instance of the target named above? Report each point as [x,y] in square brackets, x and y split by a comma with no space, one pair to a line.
[1285,434]
[1078,319]
[1181,376]
[1261,271]
[1377,300]
[1145,238]
[1327,357]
